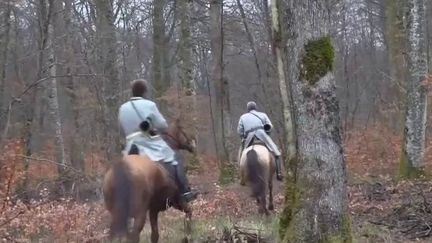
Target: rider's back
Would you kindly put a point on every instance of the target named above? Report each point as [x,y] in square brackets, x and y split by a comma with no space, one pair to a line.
[253,119]
[129,115]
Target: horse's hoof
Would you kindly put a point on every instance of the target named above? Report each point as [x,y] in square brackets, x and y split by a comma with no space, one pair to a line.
[271,207]
[242,183]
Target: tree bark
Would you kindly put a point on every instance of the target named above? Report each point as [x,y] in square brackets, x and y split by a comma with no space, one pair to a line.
[316,208]
[4,47]
[160,78]
[53,102]
[411,164]
[221,106]
[43,16]
[76,146]
[185,48]
[107,54]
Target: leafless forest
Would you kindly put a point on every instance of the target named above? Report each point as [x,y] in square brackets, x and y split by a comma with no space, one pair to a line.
[345,83]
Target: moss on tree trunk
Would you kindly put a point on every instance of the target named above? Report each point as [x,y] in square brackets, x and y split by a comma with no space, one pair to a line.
[316,206]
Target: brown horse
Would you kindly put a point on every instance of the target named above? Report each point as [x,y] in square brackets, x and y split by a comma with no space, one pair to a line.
[137,186]
[257,167]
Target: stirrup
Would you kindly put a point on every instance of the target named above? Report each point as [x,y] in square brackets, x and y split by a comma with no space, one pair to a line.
[189,196]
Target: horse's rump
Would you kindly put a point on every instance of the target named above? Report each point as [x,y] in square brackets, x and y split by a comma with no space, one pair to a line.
[255,173]
[256,169]
[264,157]
[129,185]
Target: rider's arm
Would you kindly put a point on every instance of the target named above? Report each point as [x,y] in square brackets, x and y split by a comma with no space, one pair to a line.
[158,120]
[267,120]
[240,128]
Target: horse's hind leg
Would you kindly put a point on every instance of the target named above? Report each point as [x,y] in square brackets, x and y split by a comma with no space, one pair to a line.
[138,225]
[270,186]
[154,226]
[262,204]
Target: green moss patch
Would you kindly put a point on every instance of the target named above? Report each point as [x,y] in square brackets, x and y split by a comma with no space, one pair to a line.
[318,59]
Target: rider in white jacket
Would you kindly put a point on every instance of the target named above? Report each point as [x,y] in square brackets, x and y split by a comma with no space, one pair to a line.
[257,124]
[138,111]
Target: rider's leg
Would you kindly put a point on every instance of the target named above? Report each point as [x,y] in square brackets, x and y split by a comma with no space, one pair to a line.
[278,162]
[182,180]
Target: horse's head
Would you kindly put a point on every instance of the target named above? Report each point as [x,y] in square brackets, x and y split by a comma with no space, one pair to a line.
[179,139]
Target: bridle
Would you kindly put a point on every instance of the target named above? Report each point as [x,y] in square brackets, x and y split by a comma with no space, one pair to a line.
[177,141]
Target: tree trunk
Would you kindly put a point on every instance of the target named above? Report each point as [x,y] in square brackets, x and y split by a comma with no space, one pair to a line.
[186,67]
[316,207]
[160,79]
[221,116]
[53,103]
[254,52]
[108,69]
[278,48]
[411,164]
[27,132]
[76,146]
[4,46]
[395,37]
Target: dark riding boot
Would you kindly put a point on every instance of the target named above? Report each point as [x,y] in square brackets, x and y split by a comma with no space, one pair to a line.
[182,180]
[279,176]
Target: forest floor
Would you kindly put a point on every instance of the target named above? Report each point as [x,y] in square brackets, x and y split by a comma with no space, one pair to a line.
[382,208]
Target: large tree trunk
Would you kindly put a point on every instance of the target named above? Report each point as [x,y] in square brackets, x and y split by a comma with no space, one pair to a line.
[316,208]
[107,55]
[76,146]
[278,48]
[27,132]
[221,110]
[411,164]
[4,47]
[160,77]
[185,48]
[53,103]
[395,39]
[186,67]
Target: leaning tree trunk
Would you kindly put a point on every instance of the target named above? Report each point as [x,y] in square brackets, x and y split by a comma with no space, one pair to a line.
[411,164]
[316,208]
[289,137]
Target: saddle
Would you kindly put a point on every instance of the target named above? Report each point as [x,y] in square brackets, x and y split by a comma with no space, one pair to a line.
[134,150]
[254,141]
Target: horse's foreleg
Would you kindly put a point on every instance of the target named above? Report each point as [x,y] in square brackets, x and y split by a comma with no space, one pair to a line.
[270,186]
[154,226]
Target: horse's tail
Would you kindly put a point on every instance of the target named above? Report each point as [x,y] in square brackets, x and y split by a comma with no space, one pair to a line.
[122,197]
[255,173]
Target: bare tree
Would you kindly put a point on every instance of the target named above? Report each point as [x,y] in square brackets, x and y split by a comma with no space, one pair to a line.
[107,56]
[316,208]
[76,147]
[221,109]
[411,164]
[53,101]
[4,46]
[161,78]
